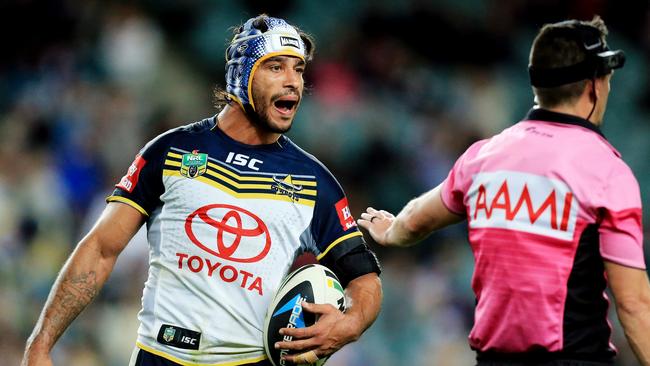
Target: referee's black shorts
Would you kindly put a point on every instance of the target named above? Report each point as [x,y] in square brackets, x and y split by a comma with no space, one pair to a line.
[141,357]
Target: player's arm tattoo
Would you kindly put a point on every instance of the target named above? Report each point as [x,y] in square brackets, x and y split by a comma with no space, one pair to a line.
[73,293]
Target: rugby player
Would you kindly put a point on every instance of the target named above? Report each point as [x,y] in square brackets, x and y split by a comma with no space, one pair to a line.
[229,203]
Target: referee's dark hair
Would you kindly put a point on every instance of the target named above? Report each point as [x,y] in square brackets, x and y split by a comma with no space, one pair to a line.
[552,49]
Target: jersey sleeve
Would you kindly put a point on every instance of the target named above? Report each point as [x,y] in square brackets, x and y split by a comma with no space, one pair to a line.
[142,185]
[333,224]
[621,230]
[458,181]
[338,243]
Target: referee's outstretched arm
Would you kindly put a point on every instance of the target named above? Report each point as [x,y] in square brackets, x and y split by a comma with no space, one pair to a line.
[417,220]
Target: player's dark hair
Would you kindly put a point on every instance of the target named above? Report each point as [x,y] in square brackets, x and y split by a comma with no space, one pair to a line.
[220,97]
[553,49]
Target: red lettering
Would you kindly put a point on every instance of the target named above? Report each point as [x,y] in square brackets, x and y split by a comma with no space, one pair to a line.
[227,273]
[502,201]
[181,256]
[192,268]
[481,202]
[503,191]
[211,267]
[256,285]
[222,273]
[567,211]
[247,275]
[532,214]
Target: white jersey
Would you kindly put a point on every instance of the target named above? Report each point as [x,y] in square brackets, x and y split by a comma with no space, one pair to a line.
[225,222]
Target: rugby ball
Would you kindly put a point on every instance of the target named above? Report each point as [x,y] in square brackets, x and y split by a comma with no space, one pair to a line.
[311,283]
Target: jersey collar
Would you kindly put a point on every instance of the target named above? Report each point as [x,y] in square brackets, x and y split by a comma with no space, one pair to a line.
[539,114]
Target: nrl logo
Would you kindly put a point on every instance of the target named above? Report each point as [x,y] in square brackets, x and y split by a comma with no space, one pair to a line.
[286,187]
[194,164]
[169,333]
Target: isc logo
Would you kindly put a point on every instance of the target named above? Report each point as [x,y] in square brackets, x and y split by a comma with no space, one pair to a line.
[243,160]
[523,202]
[188,340]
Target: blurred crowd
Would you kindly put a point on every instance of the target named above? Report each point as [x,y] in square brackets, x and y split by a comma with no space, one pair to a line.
[397,91]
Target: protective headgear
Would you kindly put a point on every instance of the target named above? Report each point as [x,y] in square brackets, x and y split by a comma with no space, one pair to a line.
[599,59]
[258,39]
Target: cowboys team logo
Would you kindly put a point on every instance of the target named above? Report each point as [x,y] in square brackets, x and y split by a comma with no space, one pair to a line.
[286,187]
[169,333]
[194,164]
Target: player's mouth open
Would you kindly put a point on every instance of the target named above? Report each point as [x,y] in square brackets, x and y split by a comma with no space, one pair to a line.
[286,105]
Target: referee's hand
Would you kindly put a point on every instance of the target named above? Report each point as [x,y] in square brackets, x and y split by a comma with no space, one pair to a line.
[377,223]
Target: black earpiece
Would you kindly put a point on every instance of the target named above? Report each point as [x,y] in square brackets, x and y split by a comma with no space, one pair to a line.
[599,60]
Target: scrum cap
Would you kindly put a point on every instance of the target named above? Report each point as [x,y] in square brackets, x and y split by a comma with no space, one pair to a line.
[258,39]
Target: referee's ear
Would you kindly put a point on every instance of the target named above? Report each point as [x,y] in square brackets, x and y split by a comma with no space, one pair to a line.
[593,90]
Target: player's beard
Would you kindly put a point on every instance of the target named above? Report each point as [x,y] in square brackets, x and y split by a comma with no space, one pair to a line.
[260,116]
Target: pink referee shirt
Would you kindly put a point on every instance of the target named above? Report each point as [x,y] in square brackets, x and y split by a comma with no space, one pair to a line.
[547,200]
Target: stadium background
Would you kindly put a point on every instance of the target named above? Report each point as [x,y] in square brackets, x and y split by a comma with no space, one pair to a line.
[400,88]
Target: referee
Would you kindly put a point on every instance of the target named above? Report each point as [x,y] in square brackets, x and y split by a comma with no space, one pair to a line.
[554,217]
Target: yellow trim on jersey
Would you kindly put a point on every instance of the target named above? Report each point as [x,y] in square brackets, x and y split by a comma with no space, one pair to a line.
[238,185]
[237,176]
[308,192]
[258,178]
[128,202]
[308,183]
[272,196]
[185,363]
[173,163]
[335,242]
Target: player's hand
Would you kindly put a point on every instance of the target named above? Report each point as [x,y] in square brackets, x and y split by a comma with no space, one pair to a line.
[331,332]
[377,223]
